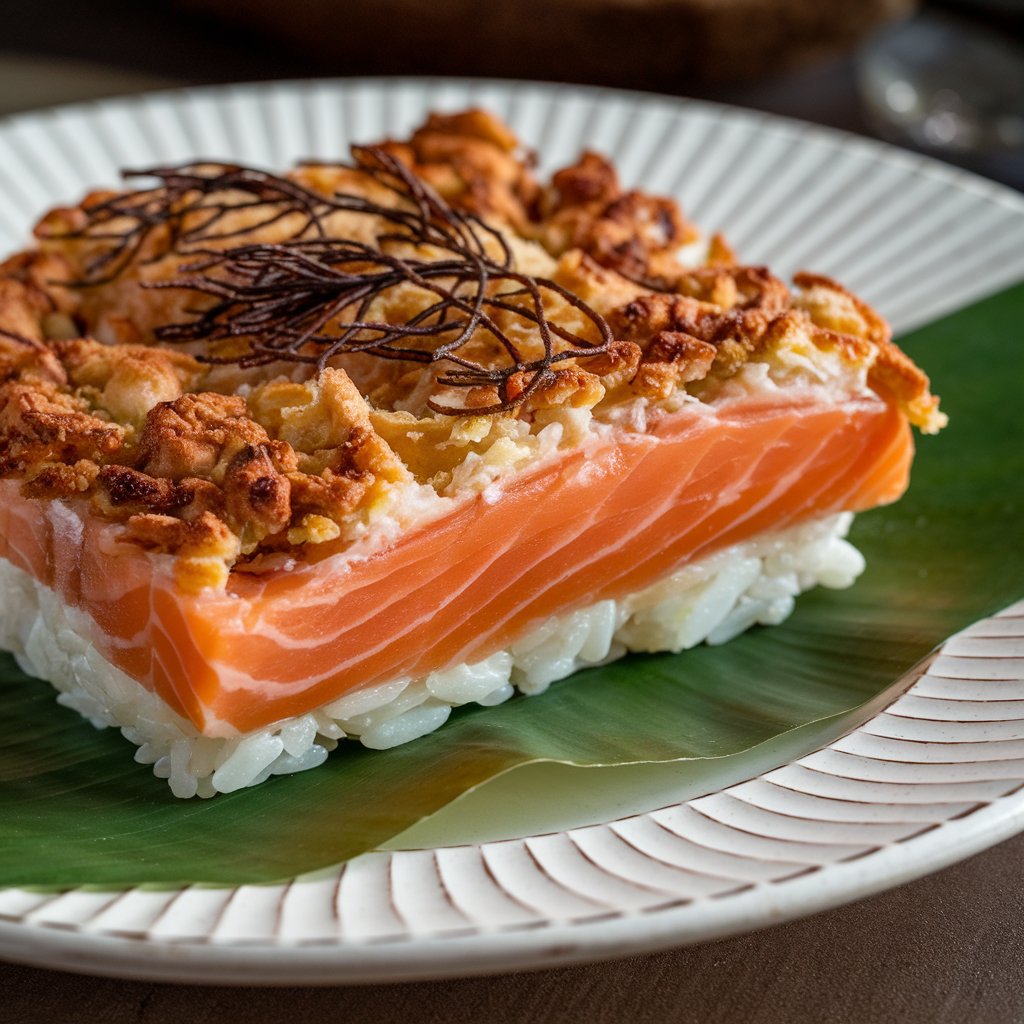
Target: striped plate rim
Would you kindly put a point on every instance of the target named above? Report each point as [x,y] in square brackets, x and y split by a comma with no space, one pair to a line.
[932,778]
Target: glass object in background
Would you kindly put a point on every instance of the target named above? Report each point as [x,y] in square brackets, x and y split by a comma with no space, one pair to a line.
[953,86]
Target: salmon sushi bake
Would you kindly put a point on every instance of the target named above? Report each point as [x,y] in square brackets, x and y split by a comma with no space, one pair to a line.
[289,459]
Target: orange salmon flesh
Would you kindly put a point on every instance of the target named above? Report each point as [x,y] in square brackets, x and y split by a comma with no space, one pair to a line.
[590,524]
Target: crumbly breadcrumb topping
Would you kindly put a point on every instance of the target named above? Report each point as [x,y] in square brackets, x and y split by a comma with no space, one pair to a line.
[223,462]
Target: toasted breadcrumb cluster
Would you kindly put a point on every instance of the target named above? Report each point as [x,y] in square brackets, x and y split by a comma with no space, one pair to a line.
[227,467]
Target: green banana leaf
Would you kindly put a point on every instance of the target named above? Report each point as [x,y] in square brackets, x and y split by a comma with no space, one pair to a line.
[75,809]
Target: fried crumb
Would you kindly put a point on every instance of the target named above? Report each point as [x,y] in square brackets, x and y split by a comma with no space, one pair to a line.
[127,381]
[314,529]
[205,547]
[892,373]
[60,479]
[630,232]
[720,253]
[257,496]
[196,435]
[673,358]
[41,423]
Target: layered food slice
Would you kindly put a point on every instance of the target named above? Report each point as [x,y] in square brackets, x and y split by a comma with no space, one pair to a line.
[289,459]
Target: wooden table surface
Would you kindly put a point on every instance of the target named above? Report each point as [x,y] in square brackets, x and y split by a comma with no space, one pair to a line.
[949,948]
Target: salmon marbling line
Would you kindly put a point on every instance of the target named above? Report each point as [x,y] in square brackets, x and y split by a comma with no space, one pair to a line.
[558,538]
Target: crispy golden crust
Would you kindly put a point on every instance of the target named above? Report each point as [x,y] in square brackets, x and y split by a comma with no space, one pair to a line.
[892,373]
[41,423]
[631,232]
[219,466]
[473,160]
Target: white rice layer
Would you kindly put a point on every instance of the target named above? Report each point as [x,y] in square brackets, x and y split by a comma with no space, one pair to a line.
[710,601]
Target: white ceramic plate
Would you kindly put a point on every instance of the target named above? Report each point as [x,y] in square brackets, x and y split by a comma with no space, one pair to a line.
[935,776]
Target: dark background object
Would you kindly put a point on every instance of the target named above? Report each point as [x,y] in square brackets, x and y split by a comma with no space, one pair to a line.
[951,85]
[151,37]
[652,44]
[647,44]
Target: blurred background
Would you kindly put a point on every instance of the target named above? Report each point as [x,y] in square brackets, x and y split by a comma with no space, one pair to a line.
[945,78]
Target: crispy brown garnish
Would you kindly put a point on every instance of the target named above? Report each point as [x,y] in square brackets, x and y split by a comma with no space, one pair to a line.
[204,546]
[735,287]
[892,374]
[618,365]
[475,162]
[573,386]
[39,272]
[127,380]
[310,297]
[22,308]
[592,179]
[196,435]
[720,253]
[673,358]
[131,487]
[60,479]
[203,455]
[257,496]
[124,491]
[633,233]
[40,423]
[646,316]
[896,375]
[331,494]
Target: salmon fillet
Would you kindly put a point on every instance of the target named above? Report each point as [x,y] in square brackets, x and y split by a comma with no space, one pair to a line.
[253,502]
[588,527]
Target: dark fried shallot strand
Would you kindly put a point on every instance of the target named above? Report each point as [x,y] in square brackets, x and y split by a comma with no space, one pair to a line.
[307,297]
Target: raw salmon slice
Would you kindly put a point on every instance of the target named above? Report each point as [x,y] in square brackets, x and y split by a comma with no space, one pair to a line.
[590,526]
